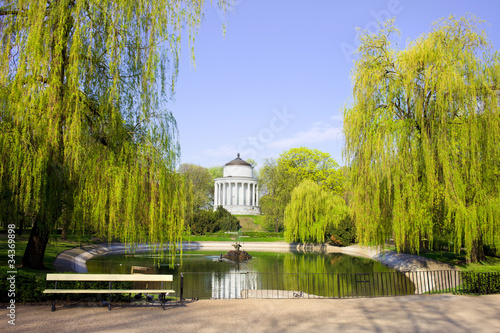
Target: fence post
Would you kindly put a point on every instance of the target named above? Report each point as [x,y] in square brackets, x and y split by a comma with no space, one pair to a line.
[182,289]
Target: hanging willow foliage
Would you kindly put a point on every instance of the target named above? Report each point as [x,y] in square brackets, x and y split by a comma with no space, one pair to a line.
[83,123]
[423,138]
[310,211]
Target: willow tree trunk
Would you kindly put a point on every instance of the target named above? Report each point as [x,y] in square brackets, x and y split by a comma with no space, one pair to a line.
[35,250]
[49,212]
[477,254]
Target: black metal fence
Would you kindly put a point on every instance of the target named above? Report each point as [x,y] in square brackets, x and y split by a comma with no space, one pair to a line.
[225,285]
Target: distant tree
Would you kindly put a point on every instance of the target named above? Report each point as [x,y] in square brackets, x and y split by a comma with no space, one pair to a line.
[216,171]
[254,164]
[311,211]
[304,163]
[82,128]
[272,195]
[423,138]
[278,178]
[202,185]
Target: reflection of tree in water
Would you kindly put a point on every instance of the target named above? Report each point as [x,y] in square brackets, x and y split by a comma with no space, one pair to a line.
[275,271]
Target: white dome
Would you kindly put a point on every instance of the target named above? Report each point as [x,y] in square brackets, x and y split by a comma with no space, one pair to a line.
[238,168]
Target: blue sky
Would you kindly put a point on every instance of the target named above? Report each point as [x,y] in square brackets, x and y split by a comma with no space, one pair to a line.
[280,76]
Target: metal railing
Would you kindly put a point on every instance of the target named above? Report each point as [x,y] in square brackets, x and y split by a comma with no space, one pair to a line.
[223,285]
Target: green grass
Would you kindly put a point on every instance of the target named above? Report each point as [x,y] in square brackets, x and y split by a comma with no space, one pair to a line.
[256,218]
[491,264]
[51,252]
[251,222]
[259,237]
[209,238]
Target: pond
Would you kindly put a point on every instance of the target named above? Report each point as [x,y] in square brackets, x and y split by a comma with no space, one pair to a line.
[299,274]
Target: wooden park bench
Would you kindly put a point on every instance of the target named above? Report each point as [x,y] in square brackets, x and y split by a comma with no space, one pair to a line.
[110,278]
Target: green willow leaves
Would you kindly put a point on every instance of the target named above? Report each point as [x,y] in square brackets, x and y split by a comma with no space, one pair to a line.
[422,138]
[311,211]
[83,122]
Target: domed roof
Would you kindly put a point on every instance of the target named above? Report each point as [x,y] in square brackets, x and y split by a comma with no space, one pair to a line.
[238,161]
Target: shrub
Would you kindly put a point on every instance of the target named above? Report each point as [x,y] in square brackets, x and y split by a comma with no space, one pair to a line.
[480,283]
[206,221]
[30,287]
[262,234]
[344,234]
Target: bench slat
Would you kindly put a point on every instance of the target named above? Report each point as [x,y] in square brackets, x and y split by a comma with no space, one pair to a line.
[107,291]
[110,277]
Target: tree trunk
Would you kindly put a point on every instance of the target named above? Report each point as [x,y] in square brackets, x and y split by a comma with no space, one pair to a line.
[477,253]
[35,250]
[45,220]
[64,232]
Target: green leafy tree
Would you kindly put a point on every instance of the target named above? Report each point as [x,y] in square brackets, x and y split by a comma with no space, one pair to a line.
[304,163]
[278,178]
[202,183]
[216,171]
[82,126]
[311,211]
[422,138]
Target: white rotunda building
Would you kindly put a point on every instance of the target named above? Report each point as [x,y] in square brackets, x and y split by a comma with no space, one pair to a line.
[237,191]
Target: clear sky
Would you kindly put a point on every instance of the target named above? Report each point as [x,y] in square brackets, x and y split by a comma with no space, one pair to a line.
[282,73]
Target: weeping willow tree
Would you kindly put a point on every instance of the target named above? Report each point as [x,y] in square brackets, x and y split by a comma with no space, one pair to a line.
[83,126]
[423,138]
[310,211]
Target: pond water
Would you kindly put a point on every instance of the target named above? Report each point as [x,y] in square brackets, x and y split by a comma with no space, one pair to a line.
[205,276]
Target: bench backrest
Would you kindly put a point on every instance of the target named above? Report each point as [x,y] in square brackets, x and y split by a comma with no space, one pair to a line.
[110,277]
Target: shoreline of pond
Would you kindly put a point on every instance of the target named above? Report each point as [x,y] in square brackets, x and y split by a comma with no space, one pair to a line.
[74,260]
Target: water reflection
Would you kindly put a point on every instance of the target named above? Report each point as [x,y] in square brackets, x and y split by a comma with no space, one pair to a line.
[262,262]
[205,276]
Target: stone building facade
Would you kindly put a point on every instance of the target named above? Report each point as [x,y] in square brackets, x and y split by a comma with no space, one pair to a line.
[238,189]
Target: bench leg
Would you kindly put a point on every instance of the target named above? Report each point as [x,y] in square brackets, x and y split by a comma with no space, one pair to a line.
[163,301]
[109,302]
[53,307]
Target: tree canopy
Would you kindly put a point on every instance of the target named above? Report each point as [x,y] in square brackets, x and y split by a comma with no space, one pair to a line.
[422,137]
[278,178]
[83,123]
[202,183]
[311,211]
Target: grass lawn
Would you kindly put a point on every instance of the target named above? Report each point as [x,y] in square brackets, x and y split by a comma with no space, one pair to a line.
[250,222]
[51,252]
[256,237]
[491,264]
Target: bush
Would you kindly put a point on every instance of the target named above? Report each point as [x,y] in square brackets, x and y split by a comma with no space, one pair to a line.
[30,287]
[262,234]
[206,221]
[344,234]
[480,283]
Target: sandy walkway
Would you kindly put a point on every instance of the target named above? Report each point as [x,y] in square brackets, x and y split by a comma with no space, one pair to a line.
[429,313]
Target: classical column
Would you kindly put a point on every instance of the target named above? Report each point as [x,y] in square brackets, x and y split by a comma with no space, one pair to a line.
[257,195]
[215,195]
[240,194]
[251,194]
[231,193]
[223,193]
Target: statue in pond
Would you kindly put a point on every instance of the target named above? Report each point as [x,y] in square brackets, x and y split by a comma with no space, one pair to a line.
[236,254]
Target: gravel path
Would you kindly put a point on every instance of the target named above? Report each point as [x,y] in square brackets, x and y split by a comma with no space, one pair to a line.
[425,313]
